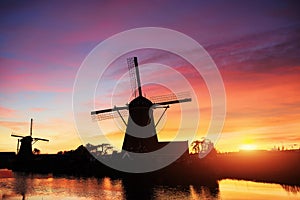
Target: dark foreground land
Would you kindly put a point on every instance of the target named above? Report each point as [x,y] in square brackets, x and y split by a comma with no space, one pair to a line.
[263,166]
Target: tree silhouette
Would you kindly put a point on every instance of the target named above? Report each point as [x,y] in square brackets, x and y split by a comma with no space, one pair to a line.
[99,150]
[203,146]
[36,151]
[196,146]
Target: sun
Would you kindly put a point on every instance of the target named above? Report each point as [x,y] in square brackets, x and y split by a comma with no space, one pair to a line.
[248,147]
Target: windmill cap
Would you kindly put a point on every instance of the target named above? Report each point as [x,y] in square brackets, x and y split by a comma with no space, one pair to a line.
[140,102]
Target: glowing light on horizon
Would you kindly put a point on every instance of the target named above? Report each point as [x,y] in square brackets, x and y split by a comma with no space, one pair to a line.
[248,147]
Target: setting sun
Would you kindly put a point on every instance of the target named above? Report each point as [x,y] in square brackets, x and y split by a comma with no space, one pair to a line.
[248,147]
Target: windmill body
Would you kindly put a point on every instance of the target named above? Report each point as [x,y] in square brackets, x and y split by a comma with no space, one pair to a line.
[25,150]
[140,135]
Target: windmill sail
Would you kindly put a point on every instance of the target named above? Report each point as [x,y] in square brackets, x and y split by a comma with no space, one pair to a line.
[13,135]
[109,113]
[31,121]
[134,75]
[36,139]
[175,101]
[171,98]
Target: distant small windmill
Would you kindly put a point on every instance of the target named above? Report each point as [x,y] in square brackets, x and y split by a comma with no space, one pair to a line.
[25,149]
[140,136]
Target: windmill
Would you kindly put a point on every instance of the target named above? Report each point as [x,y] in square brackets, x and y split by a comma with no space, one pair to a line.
[25,150]
[140,135]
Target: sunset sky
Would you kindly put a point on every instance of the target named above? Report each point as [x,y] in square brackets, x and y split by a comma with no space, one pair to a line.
[255,45]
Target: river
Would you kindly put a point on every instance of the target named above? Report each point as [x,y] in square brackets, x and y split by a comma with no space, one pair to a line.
[49,187]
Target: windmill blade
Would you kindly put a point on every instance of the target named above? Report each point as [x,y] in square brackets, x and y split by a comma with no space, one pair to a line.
[134,75]
[109,110]
[41,139]
[171,98]
[17,136]
[109,113]
[101,111]
[175,101]
[31,122]
[18,145]
[104,116]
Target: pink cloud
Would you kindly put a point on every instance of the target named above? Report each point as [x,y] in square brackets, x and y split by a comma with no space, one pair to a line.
[261,100]
[13,125]
[7,112]
[18,76]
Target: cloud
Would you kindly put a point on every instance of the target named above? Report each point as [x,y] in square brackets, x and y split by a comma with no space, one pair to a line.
[13,125]
[268,52]
[18,76]
[7,112]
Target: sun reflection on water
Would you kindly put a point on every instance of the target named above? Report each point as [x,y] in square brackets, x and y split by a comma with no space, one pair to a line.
[235,189]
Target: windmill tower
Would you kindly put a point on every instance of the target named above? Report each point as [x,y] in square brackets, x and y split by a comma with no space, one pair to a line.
[25,150]
[140,135]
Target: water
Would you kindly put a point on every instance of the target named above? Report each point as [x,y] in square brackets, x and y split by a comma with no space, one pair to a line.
[44,187]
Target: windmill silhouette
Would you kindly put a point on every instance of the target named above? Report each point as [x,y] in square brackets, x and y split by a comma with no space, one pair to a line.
[25,150]
[140,135]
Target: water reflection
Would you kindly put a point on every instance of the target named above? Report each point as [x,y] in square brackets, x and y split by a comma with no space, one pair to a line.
[144,189]
[191,192]
[203,192]
[135,190]
[22,184]
[291,189]
[235,189]
[28,186]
